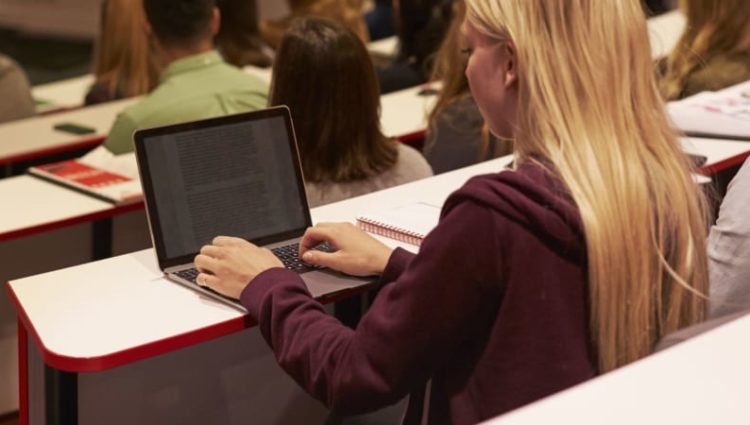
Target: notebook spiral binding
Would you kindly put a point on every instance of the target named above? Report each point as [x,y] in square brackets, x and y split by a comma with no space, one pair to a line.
[389,231]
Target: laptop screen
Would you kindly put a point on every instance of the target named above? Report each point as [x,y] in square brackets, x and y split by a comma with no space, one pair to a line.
[235,176]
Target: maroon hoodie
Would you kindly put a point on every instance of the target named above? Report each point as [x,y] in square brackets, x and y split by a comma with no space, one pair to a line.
[492,311]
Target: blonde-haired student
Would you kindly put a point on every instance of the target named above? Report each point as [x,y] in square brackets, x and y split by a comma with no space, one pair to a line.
[123,62]
[573,263]
[713,52]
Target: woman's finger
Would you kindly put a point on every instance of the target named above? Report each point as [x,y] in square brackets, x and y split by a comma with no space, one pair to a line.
[205,263]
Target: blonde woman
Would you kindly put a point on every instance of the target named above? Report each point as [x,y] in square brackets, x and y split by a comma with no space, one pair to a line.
[123,65]
[572,264]
[713,52]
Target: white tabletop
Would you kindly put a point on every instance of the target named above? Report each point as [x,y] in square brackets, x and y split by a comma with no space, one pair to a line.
[36,136]
[385,47]
[33,203]
[665,31]
[111,312]
[67,93]
[405,112]
[721,154]
[700,381]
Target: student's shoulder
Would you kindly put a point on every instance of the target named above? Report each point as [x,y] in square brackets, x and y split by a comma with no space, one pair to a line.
[412,160]
[234,73]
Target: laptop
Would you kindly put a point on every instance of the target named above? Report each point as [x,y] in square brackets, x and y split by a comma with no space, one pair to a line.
[236,175]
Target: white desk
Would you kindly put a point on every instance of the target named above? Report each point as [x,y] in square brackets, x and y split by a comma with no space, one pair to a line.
[37,205]
[664,32]
[700,381]
[62,94]
[384,48]
[404,113]
[36,137]
[113,313]
[721,154]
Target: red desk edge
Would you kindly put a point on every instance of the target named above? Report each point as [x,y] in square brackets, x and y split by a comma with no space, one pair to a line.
[151,349]
[89,142]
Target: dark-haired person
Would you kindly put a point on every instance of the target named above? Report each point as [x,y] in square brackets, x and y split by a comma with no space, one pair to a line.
[345,12]
[15,93]
[324,74]
[420,27]
[196,82]
[239,39]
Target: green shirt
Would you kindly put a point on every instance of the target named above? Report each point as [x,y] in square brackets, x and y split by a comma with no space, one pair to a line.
[193,88]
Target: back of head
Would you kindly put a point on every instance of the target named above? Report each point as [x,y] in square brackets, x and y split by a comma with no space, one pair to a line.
[239,35]
[450,63]
[712,27]
[180,23]
[323,72]
[421,26]
[590,111]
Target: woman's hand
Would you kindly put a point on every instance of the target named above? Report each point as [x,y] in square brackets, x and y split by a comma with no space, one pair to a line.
[229,264]
[356,252]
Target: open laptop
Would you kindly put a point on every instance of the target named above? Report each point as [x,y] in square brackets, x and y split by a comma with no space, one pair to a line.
[236,175]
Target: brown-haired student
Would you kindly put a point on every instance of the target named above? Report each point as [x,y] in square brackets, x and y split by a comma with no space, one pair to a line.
[324,74]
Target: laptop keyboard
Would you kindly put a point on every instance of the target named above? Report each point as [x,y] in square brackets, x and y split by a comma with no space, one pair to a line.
[288,254]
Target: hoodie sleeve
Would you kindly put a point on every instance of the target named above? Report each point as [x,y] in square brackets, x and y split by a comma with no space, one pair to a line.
[415,326]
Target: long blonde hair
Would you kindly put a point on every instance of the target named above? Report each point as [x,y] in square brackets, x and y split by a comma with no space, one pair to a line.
[713,26]
[591,108]
[123,59]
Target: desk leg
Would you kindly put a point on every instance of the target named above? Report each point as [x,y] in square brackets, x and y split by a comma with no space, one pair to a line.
[23,375]
[101,239]
[61,396]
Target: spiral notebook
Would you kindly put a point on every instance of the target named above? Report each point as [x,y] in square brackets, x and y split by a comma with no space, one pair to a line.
[409,223]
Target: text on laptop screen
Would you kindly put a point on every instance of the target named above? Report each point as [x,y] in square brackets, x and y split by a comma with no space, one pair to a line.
[234,179]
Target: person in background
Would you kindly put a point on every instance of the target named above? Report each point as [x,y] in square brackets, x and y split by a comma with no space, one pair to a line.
[123,64]
[346,12]
[15,94]
[239,39]
[657,7]
[196,82]
[713,52]
[729,249]
[420,27]
[336,120]
[571,264]
[380,20]
[457,136]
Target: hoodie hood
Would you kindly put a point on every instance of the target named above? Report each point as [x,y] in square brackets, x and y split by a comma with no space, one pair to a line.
[535,199]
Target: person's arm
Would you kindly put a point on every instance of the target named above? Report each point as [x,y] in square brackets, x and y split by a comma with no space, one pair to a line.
[444,298]
[15,92]
[120,138]
[729,249]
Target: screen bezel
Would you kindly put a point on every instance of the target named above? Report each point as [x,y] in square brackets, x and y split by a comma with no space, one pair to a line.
[140,137]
